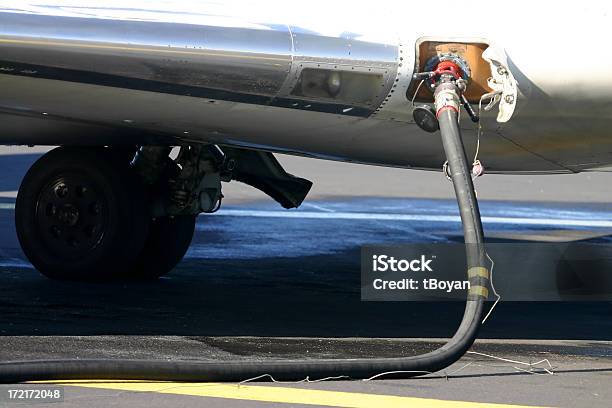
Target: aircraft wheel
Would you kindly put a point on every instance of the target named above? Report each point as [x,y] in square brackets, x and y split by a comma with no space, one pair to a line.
[79,216]
[167,242]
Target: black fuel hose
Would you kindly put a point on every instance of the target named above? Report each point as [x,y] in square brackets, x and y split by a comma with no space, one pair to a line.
[293,370]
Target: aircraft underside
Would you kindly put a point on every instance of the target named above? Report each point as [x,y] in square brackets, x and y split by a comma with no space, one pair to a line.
[73,75]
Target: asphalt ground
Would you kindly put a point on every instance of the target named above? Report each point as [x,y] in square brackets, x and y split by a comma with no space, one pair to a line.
[260,282]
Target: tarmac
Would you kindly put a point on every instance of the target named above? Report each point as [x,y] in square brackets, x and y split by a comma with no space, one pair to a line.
[260,282]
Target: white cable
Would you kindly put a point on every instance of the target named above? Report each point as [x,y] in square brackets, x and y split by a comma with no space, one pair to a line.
[480,130]
[305,380]
[417,91]
[459,369]
[531,367]
[396,372]
[548,370]
[498,297]
[479,127]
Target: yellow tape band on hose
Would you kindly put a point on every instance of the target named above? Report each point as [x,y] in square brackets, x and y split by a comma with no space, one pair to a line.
[479,291]
[478,271]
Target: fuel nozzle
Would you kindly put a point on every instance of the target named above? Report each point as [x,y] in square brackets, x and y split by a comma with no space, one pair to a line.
[445,68]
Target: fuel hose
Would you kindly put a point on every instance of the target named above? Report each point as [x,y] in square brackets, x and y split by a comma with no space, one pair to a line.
[294,370]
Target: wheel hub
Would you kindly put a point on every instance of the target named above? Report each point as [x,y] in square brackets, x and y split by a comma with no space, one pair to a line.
[68,215]
[71,215]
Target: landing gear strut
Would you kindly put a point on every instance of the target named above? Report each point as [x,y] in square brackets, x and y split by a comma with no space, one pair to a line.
[447,97]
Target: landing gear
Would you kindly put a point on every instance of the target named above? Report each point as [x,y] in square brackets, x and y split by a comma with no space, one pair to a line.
[103,213]
[84,214]
[80,217]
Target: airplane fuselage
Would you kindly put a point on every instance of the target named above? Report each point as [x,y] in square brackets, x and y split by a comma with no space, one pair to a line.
[239,75]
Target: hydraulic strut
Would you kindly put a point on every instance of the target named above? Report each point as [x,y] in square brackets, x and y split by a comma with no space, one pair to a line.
[447,102]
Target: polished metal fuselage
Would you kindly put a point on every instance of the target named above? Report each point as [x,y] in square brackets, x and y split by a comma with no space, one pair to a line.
[245,74]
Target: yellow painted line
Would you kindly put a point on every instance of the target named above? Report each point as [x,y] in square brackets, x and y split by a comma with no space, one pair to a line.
[283,395]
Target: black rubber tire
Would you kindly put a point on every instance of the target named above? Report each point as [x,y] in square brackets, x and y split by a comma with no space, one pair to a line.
[167,242]
[118,234]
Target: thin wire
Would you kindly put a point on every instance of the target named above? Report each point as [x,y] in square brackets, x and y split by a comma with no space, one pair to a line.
[479,127]
[549,370]
[498,297]
[396,372]
[478,135]
[305,380]
[459,369]
[531,367]
[417,91]
[480,130]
